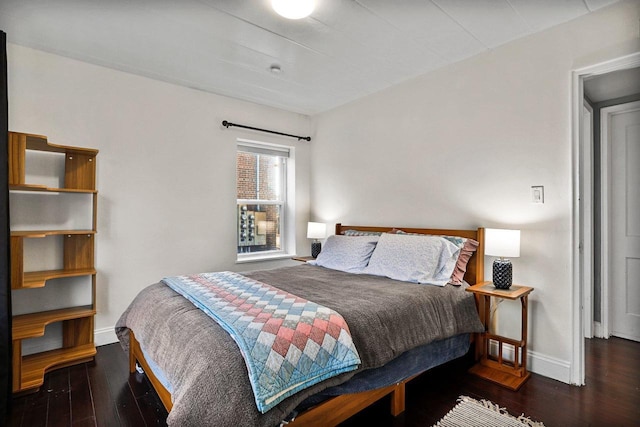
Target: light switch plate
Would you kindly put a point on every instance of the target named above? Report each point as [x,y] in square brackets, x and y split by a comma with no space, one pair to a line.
[537,194]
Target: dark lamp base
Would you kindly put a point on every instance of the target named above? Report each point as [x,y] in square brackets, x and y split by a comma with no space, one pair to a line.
[502,274]
[316,247]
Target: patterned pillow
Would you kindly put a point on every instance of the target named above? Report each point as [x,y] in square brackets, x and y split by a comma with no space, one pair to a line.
[413,258]
[361,233]
[346,253]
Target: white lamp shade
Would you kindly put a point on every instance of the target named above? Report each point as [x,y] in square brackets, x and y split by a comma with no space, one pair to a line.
[293,9]
[316,230]
[502,243]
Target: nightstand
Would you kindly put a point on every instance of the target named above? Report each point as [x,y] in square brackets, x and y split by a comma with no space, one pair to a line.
[303,258]
[510,374]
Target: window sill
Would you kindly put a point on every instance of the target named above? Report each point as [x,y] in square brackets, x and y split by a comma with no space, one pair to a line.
[263,257]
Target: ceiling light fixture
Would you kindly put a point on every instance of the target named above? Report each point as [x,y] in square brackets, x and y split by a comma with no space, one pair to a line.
[293,9]
[275,69]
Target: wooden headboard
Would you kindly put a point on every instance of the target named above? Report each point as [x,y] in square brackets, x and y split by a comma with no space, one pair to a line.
[475,267]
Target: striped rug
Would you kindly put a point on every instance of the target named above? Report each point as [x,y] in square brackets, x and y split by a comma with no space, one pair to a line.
[475,413]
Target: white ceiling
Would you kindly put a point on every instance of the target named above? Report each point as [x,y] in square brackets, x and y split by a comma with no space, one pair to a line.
[345,50]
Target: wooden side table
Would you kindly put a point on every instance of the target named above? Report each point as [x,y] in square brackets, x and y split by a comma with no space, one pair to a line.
[302,258]
[510,374]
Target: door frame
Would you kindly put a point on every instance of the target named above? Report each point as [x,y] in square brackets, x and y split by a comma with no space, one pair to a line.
[581,256]
[605,207]
[587,215]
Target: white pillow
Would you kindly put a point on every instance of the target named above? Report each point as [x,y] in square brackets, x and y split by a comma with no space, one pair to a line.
[346,253]
[414,258]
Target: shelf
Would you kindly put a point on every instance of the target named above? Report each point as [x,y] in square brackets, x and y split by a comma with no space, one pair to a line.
[44,188]
[35,366]
[79,164]
[38,279]
[78,257]
[40,143]
[45,233]
[33,325]
[500,377]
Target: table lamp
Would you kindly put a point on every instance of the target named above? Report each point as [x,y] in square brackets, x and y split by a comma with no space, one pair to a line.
[502,243]
[315,231]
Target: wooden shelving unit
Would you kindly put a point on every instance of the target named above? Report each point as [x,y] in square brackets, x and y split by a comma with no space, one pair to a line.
[78,260]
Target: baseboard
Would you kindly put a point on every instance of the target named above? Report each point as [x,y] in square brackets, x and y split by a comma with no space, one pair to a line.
[540,364]
[550,367]
[104,336]
[598,330]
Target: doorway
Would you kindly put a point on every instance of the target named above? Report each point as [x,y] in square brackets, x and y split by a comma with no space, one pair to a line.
[598,86]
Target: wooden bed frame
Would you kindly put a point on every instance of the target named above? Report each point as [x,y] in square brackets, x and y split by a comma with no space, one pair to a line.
[337,409]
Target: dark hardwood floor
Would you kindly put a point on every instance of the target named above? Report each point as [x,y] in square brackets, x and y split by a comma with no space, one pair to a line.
[102,393]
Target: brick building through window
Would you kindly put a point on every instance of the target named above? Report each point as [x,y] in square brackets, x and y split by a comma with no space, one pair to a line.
[261,197]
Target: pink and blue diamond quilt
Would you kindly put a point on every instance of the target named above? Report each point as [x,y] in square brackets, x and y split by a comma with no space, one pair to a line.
[288,343]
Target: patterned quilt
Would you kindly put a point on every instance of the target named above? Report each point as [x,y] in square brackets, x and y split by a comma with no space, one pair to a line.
[288,343]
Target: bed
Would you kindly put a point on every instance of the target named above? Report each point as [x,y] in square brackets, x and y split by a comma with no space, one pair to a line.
[200,376]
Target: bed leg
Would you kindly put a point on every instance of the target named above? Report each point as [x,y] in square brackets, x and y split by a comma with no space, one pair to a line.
[397,399]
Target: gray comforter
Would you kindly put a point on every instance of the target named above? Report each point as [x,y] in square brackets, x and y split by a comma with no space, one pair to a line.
[208,374]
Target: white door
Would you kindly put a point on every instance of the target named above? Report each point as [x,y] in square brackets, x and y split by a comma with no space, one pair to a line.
[624,267]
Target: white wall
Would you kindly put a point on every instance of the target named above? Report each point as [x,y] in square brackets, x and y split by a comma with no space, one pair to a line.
[166,170]
[460,148]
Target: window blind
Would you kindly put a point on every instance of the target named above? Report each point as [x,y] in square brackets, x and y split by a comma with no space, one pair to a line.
[270,150]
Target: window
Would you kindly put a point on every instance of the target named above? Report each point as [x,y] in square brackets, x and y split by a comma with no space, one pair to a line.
[261,181]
